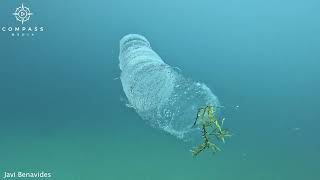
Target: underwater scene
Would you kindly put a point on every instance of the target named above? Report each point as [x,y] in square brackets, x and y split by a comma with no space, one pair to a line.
[160,90]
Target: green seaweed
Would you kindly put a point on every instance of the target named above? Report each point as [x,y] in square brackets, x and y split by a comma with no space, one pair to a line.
[207,121]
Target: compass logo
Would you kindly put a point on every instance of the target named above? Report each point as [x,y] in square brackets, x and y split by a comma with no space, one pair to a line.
[22,13]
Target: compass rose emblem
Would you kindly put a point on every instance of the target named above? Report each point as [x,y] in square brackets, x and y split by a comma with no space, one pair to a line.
[22,13]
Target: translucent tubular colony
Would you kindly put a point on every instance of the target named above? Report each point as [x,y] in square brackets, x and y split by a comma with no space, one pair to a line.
[158,93]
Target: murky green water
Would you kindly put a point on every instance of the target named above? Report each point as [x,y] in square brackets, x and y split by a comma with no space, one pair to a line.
[60,107]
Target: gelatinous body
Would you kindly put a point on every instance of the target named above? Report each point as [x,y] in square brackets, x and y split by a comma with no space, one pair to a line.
[159,93]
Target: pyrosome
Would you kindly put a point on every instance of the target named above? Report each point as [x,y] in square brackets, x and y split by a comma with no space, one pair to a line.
[159,93]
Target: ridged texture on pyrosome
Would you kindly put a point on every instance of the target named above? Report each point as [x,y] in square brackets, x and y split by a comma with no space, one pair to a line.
[157,92]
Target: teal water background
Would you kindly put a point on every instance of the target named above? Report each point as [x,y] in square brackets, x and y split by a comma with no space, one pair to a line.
[60,107]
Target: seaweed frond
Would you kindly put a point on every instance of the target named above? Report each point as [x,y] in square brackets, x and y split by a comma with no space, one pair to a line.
[206,119]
